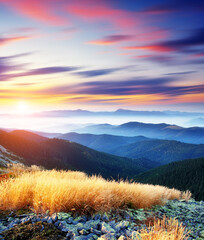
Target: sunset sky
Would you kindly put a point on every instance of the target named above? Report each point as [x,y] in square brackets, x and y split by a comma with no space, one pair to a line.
[101,55]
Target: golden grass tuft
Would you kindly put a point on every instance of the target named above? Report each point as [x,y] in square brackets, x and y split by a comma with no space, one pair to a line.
[57,191]
[165,229]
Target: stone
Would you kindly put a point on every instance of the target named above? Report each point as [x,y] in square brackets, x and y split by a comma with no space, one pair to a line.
[95,231]
[49,220]
[91,224]
[63,216]
[81,238]
[202,234]
[84,232]
[108,236]
[122,237]
[54,217]
[105,217]
[79,226]
[122,225]
[136,236]
[106,228]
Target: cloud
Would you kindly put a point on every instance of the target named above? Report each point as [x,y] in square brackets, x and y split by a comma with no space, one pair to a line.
[112,39]
[155,48]
[53,11]
[102,11]
[39,71]
[99,72]
[41,10]
[8,40]
[180,73]
[8,65]
[50,70]
[140,86]
[196,38]
[175,6]
[153,86]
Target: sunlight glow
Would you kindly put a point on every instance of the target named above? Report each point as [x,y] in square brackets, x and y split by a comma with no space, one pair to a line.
[22,108]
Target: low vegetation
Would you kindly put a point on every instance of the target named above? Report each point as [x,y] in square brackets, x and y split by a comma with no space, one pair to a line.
[36,231]
[165,229]
[64,191]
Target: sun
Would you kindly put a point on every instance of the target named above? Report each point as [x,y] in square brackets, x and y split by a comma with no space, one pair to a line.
[22,108]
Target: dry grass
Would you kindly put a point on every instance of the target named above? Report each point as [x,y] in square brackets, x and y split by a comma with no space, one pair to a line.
[68,190]
[165,229]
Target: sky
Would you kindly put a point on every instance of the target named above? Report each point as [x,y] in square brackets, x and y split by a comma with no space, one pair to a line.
[101,55]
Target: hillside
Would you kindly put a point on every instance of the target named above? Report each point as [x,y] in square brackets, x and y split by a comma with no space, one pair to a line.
[7,157]
[186,174]
[160,131]
[162,151]
[103,142]
[62,154]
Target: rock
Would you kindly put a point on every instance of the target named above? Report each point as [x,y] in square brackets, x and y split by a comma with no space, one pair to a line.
[84,232]
[79,219]
[60,224]
[122,225]
[54,217]
[136,236]
[49,220]
[70,220]
[38,219]
[108,236]
[97,217]
[92,224]
[106,228]
[95,231]
[105,217]
[112,224]
[45,219]
[63,216]
[122,237]
[202,234]
[26,219]
[79,226]
[81,238]
[57,223]
[92,236]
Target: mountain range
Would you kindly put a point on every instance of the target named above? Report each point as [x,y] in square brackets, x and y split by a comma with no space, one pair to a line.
[161,151]
[159,131]
[196,122]
[62,154]
[145,156]
[119,112]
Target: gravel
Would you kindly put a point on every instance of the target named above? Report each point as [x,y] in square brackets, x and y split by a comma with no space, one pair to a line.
[113,225]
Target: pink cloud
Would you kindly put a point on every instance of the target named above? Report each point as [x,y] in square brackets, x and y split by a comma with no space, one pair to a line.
[42,10]
[112,39]
[154,48]
[101,11]
[143,56]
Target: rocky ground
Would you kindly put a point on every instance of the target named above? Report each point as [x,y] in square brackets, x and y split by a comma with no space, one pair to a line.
[120,224]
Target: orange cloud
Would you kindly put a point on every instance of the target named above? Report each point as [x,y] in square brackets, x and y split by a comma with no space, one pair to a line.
[155,48]
[112,39]
[7,40]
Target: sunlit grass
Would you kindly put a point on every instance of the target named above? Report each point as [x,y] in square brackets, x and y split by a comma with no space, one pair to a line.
[57,191]
[165,229]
